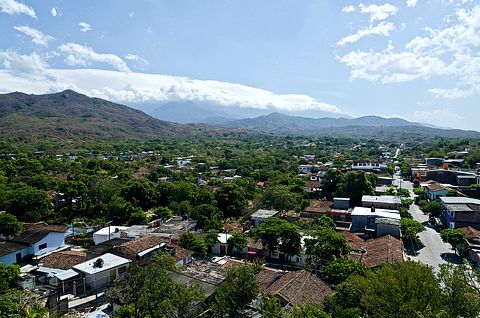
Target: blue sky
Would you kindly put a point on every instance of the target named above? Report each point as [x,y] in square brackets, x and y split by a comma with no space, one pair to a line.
[419,60]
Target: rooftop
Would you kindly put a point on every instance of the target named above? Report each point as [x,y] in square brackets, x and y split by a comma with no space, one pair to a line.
[43,226]
[262,214]
[392,214]
[131,249]
[7,247]
[64,259]
[459,200]
[377,251]
[110,261]
[384,199]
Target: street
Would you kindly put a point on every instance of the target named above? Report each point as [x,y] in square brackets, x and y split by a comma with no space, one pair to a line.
[431,250]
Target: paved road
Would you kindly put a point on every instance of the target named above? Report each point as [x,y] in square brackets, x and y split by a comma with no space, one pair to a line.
[432,250]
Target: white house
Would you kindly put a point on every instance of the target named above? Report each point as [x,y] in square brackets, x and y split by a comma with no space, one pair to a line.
[261,215]
[103,270]
[37,239]
[378,221]
[108,233]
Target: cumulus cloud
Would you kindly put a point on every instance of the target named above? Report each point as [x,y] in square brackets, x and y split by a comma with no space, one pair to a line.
[348,9]
[13,7]
[23,66]
[84,26]
[37,36]
[77,54]
[134,87]
[383,28]
[135,58]
[53,12]
[411,3]
[451,52]
[378,12]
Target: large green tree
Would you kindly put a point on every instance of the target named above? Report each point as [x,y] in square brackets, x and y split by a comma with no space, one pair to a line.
[9,224]
[326,244]
[354,185]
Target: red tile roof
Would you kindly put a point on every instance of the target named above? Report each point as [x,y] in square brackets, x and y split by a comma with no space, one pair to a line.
[64,259]
[131,248]
[470,233]
[43,226]
[299,288]
[385,249]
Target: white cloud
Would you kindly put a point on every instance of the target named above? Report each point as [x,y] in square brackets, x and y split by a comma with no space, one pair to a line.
[442,117]
[378,12]
[383,28]
[14,7]
[83,55]
[135,58]
[451,52]
[23,66]
[84,26]
[53,12]
[131,14]
[134,87]
[37,36]
[411,3]
[348,9]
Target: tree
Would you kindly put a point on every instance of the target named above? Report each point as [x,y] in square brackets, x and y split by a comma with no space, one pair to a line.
[411,228]
[279,234]
[308,311]
[163,212]
[325,221]
[231,200]
[29,204]
[330,182]
[270,307]
[190,242]
[238,290]
[354,186]
[404,289]
[149,290]
[9,225]
[141,193]
[455,237]
[237,240]
[433,208]
[461,290]
[279,198]
[340,269]
[208,216]
[327,244]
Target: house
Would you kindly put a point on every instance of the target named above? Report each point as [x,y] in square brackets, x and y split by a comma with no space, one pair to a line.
[140,248]
[105,247]
[437,162]
[182,255]
[384,181]
[108,233]
[99,272]
[297,288]
[369,166]
[261,215]
[460,212]
[377,251]
[174,227]
[381,202]
[312,187]
[375,222]
[56,271]
[221,247]
[316,209]
[35,240]
[435,190]
[472,238]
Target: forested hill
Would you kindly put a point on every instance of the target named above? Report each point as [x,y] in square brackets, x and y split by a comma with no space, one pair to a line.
[70,116]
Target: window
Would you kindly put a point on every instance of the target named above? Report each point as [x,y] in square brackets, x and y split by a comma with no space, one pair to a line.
[42,246]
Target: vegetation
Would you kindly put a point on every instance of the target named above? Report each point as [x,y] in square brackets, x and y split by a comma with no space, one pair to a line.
[455,237]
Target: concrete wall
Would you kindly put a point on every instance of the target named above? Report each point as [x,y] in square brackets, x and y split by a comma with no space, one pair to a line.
[11,258]
[53,240]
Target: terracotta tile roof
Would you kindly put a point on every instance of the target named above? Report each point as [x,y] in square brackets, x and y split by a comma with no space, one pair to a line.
[266,277]
[64,259]
[131,248]
[470,233]
[254,245]
[180,253]
[312,184]
[436,187]
[355,242]
[43,226]
[319,206]
[385,249]
[233,227]
[299,288]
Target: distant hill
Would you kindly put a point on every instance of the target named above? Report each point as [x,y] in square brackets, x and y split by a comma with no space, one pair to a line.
[70,116]
[367,126]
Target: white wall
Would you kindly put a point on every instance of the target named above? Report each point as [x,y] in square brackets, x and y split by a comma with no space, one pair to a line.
[54,240]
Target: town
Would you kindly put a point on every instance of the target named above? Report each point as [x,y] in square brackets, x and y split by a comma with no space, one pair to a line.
[262,227]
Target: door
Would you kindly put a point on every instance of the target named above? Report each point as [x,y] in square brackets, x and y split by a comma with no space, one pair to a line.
[18,257]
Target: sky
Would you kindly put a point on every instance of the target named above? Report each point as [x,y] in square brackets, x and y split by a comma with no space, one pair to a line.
[414,59]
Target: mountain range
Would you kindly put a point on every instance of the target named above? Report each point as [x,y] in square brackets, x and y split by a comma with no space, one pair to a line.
[72,117]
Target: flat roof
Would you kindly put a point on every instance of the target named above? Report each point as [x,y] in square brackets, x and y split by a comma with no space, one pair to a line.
[113,228]
[264,213]
[109,261]
[383,199]
[459,200]
[384,213]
